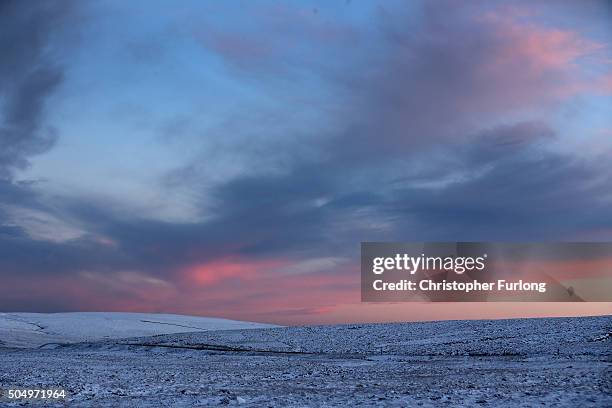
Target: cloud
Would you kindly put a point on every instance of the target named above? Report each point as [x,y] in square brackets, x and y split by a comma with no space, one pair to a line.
[29,74]
[418,78]
[266,39]
[266,228]
[432,126]
[517,192]
[442,78]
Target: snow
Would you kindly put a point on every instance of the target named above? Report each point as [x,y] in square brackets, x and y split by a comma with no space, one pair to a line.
[38,329]
[557,362]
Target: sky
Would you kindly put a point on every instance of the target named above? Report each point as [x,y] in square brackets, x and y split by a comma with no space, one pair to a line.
[227,158]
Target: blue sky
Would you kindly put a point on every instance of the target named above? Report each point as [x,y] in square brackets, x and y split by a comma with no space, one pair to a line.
[150,145]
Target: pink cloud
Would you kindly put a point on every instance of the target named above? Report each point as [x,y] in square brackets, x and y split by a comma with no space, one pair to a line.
[555,62]
[562,269]
[329,297]
[540,63]
[211,273]
[262,290]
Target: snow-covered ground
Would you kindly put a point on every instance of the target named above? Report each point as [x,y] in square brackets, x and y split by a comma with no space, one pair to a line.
[37,329]
[560,362]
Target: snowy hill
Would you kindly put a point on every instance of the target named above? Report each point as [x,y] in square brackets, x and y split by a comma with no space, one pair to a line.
[37,329]
[556,362]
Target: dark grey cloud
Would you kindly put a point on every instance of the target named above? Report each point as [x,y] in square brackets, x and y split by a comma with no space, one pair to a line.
[438,78]
[514,188]
[418,154]
[29,74]
[505,184]
[514,192]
